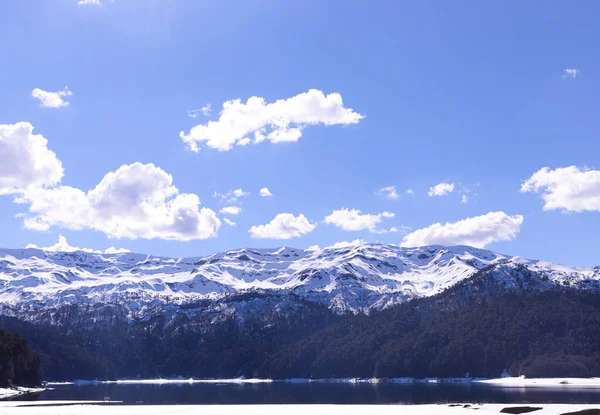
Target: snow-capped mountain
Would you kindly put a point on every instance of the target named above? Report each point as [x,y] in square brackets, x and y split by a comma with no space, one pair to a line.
[348,279]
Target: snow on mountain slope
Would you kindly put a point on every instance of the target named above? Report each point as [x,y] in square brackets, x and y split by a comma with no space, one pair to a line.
[347,279]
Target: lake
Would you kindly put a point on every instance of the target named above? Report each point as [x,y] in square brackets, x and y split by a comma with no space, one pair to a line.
[316,393]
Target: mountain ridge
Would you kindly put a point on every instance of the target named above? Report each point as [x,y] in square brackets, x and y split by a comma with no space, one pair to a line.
[353,279]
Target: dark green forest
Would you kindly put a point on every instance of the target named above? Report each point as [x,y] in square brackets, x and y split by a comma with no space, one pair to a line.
[19,364]
[535,334]
[553,333]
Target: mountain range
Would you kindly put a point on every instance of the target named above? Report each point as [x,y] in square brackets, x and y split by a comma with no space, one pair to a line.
[127,314]
[350,279]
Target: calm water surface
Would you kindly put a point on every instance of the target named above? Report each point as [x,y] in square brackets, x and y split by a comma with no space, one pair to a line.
[312,393]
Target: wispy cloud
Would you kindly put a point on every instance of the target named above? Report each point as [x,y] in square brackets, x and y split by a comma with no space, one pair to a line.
[52,99]
[229,222]
[388,192]
[206,110]
[570,73]
[232,196]
[193,113]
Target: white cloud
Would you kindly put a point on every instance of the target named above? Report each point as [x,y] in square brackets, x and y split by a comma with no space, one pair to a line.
[231,210]
[570,73]
[89,2]
[229,222]
[467,192]
[193,113]
[52,99]
[135,201]
[264,192]
[313,248]
[409,192]
[571,189]
[478,231]
[346,244]
[206,110]
[388,192]
[232,196]
[63,246]
[280,121]
[113,250]
[283,226]
[25,160]
[353,220]
[441,189]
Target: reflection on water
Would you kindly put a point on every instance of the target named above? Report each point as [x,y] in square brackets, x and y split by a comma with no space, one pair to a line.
[313,393]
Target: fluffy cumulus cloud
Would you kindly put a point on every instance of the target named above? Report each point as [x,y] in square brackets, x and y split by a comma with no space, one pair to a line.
[256,120]
[354,220]
[25,160]
[63,246]
[571,189]
[264,192]
[478,231]
[441,189]
[283,226]
[135,201]
[52,99]
[570,73]
[231,210]
[388,192]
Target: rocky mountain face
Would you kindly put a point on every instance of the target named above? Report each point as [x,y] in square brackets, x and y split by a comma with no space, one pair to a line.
[346,280]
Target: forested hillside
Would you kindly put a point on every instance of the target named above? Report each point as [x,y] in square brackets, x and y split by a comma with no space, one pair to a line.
[19,365]
[553,333]
[535,334]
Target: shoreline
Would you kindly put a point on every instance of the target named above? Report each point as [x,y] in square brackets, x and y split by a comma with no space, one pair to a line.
[76,408]
[508,382]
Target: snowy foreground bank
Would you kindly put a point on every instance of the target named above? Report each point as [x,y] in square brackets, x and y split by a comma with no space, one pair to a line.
[19,408]
[6,393]
[514,382]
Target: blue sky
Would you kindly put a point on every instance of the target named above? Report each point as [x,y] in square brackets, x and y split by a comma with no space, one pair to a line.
[473,94]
